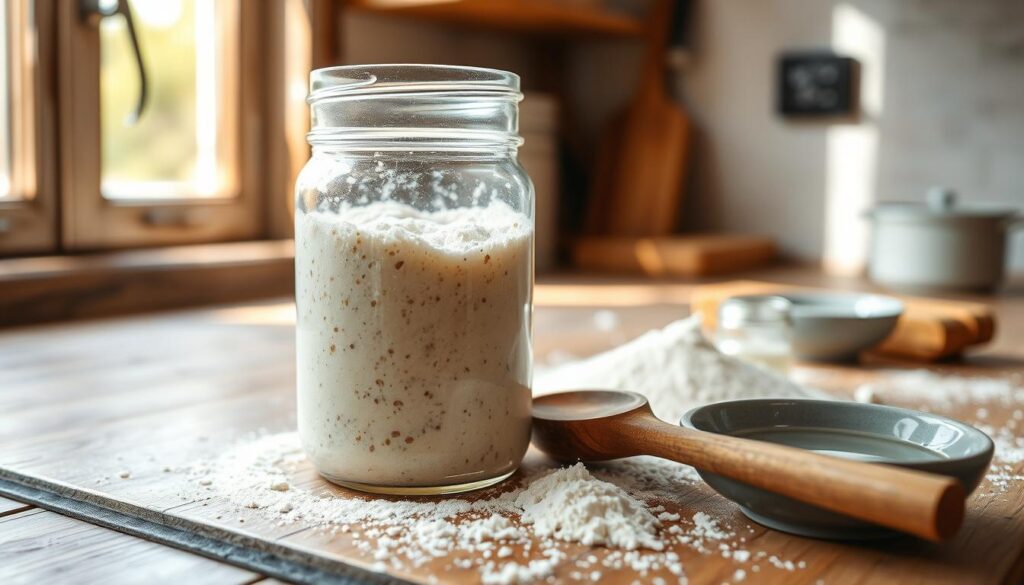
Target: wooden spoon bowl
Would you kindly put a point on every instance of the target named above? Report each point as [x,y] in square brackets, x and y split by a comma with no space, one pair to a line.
[570,426]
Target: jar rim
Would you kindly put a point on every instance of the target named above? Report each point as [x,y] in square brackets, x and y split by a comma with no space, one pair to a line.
[361,81]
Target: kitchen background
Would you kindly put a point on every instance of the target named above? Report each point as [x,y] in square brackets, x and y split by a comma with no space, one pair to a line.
[942,83]
[936,88]
[148,316]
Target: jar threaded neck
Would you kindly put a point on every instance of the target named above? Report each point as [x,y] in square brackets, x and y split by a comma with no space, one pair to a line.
[414,107]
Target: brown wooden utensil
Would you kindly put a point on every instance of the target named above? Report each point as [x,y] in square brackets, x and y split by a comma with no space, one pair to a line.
[641,164]
[596,425]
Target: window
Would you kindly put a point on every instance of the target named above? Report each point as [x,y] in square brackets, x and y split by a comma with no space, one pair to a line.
[132,123]
[182,146]
[6,192]
[27,210]
[156,149]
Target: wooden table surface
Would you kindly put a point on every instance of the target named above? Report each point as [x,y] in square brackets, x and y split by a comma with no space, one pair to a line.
[80,403]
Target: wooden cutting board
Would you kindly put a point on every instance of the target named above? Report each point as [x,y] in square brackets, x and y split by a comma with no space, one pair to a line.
[640,168]
[686,256]
[929,329]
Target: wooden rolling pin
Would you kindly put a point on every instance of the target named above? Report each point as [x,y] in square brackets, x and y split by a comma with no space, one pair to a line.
[928,330]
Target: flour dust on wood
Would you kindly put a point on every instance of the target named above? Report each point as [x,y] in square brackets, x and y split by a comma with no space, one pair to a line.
[627,513]
[522,531]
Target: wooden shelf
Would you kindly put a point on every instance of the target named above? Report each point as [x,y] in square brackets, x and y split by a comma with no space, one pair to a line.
[524,16]
[49,288]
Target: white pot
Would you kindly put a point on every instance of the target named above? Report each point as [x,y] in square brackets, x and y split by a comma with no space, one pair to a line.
[940,245]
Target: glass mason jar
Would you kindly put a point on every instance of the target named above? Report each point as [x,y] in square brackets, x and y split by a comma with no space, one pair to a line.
[414,279]
[758,329]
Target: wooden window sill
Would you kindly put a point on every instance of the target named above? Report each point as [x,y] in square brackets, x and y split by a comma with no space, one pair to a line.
[51,288]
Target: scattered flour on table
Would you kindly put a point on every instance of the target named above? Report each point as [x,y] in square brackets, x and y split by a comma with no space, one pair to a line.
[617,506]
[519,533]
[548,509]
[501,532]
[941,391]
[676,368]
[707,527]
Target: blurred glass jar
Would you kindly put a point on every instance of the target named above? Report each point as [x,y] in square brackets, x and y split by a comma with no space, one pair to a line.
[758,329]
[414,279]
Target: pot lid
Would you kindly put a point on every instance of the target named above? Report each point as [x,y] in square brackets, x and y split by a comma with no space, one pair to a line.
[941,202]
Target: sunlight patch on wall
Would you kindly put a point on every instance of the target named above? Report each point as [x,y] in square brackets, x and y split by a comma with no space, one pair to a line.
[852,150]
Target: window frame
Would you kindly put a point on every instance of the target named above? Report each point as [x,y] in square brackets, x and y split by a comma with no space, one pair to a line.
[28,222]
[90,221]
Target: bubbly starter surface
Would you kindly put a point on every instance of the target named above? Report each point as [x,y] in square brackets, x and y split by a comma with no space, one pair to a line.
[413,343]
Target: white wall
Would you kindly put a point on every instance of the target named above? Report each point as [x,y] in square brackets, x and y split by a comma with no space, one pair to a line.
[950,77]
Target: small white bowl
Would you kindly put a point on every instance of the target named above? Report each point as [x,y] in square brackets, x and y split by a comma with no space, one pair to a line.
[838,326]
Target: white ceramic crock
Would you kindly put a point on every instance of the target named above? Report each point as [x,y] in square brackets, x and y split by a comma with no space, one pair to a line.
[940,245]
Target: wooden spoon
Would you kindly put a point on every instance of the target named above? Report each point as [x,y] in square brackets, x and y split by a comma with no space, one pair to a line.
[595,425]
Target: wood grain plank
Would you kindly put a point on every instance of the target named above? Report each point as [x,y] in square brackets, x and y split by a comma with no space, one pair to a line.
[8,507]
[171,362]
[524,16]
[36,290]
[145,448]
[163,397]
[678,256]
[47,547]
[146,393]
[857,564]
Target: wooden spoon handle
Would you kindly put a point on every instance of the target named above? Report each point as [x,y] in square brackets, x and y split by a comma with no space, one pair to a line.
[926,505]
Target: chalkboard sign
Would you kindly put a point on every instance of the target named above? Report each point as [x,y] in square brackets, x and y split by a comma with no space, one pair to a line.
[817,83]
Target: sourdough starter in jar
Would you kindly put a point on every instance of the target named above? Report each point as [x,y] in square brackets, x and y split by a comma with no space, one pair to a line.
[413,341]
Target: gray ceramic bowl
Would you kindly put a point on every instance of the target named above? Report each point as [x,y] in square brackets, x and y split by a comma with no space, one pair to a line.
[838,326]
[880,434]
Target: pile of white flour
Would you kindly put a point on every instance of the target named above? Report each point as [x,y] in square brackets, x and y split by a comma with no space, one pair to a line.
[676,368]
[571,505]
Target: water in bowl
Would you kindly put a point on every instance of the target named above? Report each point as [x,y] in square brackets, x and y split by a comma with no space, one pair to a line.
[843,443]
